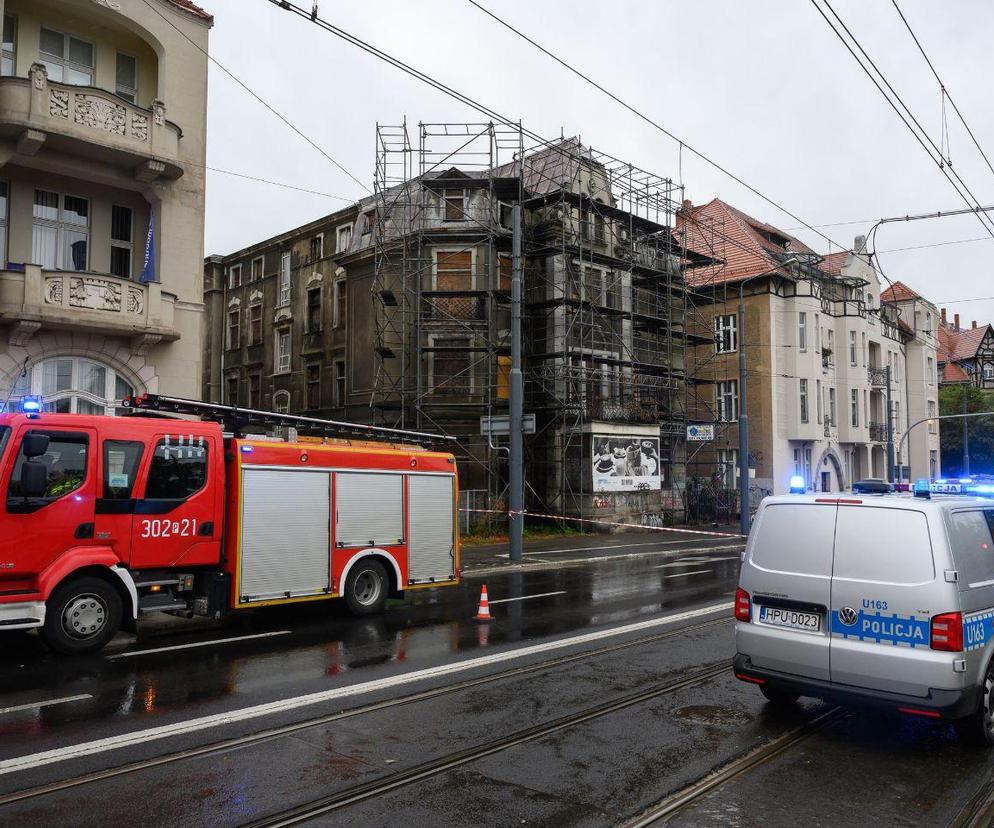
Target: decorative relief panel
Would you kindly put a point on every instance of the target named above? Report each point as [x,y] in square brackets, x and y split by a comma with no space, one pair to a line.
[53,291]
[58,103]
[136,301]
[139,127]
[95,294]
[99,113]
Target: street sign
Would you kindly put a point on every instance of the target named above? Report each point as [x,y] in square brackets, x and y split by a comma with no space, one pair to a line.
[700,433]
[499,425]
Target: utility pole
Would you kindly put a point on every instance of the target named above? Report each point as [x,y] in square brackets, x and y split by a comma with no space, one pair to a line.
[516,471]
[890,431]
[966,432]
[743,423]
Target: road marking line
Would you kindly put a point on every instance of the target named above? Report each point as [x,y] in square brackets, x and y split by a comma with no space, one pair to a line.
[61,754]
[612,546]
[685,574]
[625,545]
[47,703]
[526,597]
[132,653]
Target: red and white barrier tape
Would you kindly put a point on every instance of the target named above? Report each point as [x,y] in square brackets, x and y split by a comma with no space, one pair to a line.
[510,514]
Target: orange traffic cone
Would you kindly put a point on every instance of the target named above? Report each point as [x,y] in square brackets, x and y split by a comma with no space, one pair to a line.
[483,613]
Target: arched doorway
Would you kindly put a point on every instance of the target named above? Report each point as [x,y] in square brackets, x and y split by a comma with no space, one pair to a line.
[72,385]
[828,474]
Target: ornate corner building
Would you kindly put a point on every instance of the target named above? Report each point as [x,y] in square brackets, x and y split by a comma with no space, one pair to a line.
[103,123]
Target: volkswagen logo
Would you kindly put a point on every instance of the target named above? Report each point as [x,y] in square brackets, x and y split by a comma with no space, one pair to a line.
[848,616]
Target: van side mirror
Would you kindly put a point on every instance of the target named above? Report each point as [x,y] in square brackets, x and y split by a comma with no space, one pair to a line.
[34,444]
[34,478]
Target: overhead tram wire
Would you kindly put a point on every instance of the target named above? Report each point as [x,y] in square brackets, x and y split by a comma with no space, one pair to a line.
[944,169]
[945,89]
[255,95]
[638,113]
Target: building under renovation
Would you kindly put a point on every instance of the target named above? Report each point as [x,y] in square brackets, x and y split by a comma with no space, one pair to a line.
[397,311]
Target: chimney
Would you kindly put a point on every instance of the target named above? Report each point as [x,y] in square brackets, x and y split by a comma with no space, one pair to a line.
[974,324]
[956,321]
[859,244]
[688,207]
[943,313]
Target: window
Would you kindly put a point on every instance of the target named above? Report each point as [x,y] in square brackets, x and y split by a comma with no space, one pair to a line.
[8,64]
[127,77]
[451,366]
[234,276]
[930,413]
[802,332]
[67,59]
[255,323]
[120,241]
[972,546]
[818,402]
[782,525]
[807,468]
[281,402]
[728,467]
[863,351]
[854,407]
[817,334]
[232,389]
[282,360]
[853,358]
[370,217]
[317,247]
[906,557]
[804,400]
[257,264]
[3,224]
[933,464]
[341,300]
[725,333]
[989,371]
[72,385]
[339,382]
[178,470]
[284,279]
[255,391]
[121,459]
[866,410]
[314,309]
[343,238]
[831,406]
[313,386]
[797,462]
[60,233]
[897,417]
[727,392]
[455,205]
[930,371]
[928,324]
[65,460]
[234,334]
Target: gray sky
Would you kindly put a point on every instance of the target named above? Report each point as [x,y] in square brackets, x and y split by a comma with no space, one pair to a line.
[764,88]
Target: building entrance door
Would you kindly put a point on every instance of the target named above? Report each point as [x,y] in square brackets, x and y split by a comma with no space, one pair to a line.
[826,481]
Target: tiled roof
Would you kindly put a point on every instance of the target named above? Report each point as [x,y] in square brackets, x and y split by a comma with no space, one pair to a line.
[195,10]
[898,292]
[833,262]
[965,342]
[747,246]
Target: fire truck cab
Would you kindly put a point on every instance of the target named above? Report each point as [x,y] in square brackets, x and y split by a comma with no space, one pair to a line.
[106,519]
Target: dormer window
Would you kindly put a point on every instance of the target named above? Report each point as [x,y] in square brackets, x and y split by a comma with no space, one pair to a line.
[455,205]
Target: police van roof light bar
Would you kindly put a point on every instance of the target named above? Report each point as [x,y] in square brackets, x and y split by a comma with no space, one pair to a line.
[234,418]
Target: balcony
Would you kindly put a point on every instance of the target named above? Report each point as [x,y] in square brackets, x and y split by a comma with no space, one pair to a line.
[87,122]
[877,376]
[454,306]
[89,302]
[878,432]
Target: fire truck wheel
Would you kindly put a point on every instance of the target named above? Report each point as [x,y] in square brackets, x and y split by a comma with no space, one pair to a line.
[82,616]
[366,588]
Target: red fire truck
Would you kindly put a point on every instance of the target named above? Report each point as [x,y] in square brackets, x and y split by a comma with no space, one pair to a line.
[110,518]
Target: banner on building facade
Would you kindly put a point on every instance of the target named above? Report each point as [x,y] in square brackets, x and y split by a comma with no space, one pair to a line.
[625,463]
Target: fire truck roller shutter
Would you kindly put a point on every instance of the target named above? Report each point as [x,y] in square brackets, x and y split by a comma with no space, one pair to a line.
[431,548]
[285,543]
[370,509]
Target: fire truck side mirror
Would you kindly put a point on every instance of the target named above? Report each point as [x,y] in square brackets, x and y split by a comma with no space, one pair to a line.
[34,444]
[34,479]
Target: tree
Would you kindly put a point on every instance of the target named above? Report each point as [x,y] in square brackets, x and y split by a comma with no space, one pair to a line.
[951,431]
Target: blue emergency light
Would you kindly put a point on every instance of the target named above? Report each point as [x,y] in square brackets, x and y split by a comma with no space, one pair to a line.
[31,406]
[797,484]
[981,490]
[922,488]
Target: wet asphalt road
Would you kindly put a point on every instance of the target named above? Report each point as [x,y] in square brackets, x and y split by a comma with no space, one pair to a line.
[643,623]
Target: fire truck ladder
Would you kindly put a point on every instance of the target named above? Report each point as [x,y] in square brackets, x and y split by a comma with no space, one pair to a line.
[233,418]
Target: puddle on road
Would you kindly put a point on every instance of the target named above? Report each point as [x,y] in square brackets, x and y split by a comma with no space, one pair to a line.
[713,715]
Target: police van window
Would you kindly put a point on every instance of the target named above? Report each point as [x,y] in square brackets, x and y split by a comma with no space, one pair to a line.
[121,459]
[4,434]
[65,462]
[973,548]
[884,545]
[179,468]
[795,538]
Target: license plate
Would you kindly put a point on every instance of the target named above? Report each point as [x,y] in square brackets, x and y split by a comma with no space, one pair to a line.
[793,619]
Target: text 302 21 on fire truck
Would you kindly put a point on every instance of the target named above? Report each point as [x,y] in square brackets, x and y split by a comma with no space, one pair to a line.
[109,518]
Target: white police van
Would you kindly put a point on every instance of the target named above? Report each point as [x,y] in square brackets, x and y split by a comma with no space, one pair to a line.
[887,600]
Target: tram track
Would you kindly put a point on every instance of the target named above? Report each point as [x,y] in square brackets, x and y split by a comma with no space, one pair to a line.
[378,787]
[296,727]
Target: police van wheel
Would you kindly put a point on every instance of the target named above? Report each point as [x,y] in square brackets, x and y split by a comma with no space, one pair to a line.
[779,696]
[366,588]
[82,616]
[978,729]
